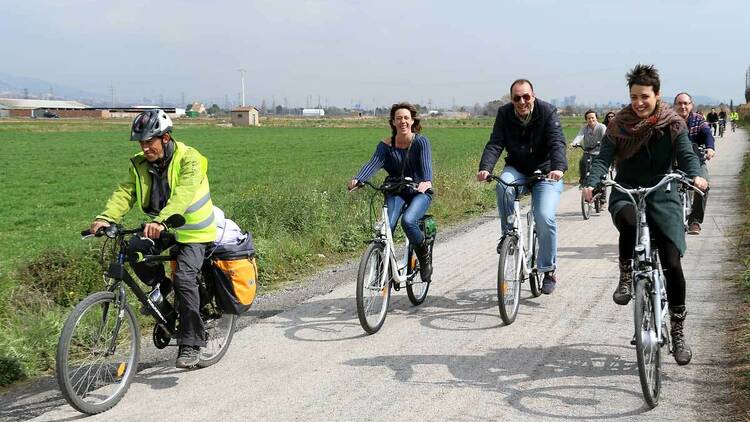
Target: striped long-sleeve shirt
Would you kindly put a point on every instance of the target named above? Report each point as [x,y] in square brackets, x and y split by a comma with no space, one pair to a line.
[418,165]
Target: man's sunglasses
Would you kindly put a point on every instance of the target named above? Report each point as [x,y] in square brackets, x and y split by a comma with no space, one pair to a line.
[517,98]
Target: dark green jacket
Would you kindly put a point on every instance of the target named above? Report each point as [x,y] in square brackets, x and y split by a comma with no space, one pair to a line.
[646,168]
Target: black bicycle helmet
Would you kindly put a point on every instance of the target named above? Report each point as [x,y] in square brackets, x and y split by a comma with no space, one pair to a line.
[149,124]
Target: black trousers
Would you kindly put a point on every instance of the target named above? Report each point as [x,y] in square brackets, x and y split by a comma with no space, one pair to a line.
[669,255]
[189,257]
[699,202]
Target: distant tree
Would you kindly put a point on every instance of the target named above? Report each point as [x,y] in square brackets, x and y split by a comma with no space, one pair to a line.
[279,109]
[490,109]
[505,99]
[214,109]
[189,107]
[263,107]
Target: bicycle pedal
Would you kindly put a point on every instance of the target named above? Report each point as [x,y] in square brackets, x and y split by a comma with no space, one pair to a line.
[632,341]
[396,286]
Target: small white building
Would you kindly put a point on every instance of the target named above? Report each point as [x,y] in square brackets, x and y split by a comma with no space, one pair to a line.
[313,112]
[245,116]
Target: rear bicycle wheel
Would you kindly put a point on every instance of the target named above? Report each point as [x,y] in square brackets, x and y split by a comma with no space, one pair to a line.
[373,294]
[219,331]
[509,275]
[417,288]
[648,350]
[97,354]
[535,279]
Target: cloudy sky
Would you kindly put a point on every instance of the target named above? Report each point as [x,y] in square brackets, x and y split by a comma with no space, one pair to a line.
[375,52]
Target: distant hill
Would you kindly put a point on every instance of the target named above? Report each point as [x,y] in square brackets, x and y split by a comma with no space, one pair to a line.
[14,86]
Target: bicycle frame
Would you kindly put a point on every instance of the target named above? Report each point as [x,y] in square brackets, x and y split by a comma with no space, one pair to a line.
[397,272]
[523,231]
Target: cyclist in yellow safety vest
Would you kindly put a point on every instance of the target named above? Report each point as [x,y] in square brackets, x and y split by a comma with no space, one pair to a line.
[166,178]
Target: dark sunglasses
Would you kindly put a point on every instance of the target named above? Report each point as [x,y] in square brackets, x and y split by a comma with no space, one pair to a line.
[517,98]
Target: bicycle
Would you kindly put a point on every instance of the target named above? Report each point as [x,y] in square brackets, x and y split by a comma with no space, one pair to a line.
[722,127]
[687,196]
[518,251]
[734,125]
[99,347]
[379,269]
[600,195]
[649,291]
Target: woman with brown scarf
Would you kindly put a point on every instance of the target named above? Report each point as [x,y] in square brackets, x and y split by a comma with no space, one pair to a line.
[643,140]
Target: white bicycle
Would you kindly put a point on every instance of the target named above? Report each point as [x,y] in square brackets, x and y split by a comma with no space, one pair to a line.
[379,268]
[518,251]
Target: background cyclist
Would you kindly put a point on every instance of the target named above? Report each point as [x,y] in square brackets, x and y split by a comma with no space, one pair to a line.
[700,135]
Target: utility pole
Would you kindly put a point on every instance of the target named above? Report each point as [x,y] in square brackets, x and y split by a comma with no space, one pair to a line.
[242,80]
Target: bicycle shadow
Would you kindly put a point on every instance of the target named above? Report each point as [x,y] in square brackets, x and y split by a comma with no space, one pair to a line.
[43,395]
[526,387]
[335,319]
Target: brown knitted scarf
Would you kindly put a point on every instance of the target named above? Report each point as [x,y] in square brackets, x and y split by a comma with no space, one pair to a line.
[630,132]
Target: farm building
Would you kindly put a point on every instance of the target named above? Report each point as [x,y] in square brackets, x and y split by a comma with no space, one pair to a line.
[313,112]
[14,107]
[36,108]
[245,116]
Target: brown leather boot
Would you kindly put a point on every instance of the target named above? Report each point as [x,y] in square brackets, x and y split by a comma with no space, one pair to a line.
[622,293]
[680,349]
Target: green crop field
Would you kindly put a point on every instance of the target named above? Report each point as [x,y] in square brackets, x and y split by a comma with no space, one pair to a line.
[285,184]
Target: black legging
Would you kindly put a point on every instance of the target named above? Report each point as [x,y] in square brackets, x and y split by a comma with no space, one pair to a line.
[668,254]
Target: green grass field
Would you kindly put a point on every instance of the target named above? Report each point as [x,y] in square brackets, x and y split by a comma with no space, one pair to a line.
[285,184]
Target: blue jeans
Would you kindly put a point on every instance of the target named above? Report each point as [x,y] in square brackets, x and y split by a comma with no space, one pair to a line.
[416,206]
[546,196]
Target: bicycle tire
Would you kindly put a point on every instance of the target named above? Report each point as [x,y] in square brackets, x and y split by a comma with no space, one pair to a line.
[509,277]
[535,280]
[219,331]
[108,368]
[417,289]
[370,295]
[648,350]
[585,209]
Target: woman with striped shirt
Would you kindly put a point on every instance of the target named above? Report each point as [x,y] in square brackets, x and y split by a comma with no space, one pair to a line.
[407,153]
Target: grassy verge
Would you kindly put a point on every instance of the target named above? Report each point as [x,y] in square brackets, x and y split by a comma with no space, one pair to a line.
[742,330]
[285,184]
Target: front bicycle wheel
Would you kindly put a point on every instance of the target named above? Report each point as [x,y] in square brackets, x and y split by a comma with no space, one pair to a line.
[509,275]
[585,209]
[373,288]
[219,331]
[648,350]
[97,354]
[417,288]
[535,279]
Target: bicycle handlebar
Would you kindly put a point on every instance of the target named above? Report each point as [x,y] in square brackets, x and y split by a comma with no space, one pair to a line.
[394,185]
[644,192]
[535,178]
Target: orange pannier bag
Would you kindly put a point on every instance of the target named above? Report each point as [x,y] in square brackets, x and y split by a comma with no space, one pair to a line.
[234,283]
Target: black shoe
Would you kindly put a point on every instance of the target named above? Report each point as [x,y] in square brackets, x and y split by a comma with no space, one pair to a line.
[188,357]
[548,283]
[425,261]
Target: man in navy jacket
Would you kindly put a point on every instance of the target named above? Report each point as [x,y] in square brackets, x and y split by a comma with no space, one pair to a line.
[529,131]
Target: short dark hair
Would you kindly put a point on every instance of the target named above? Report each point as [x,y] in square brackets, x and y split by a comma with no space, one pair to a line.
[521,81]
[416,127]
[645,75]
[682,93]
[589,111]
